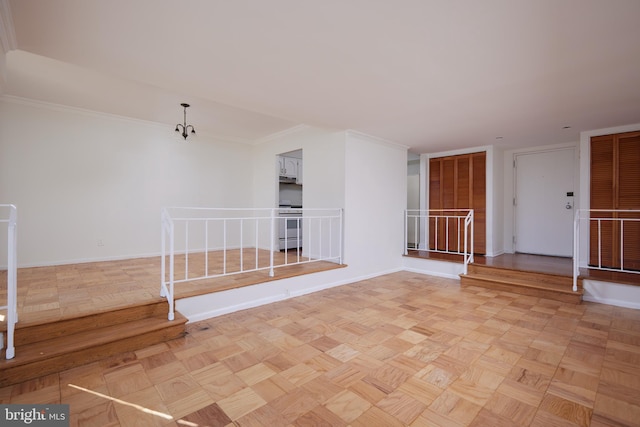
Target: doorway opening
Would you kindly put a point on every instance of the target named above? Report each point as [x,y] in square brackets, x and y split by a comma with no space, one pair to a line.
[290,191]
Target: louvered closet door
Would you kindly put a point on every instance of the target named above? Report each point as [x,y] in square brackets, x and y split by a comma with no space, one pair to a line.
[601,244]
[457,182]
[615,184]
[629,197]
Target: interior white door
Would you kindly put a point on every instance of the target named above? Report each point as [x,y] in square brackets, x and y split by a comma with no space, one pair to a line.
[544,202]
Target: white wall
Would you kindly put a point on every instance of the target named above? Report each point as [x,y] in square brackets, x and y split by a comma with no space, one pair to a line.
[78,177]
[496,172]
[376,197]
[365,176]
[323,171]
[3,71]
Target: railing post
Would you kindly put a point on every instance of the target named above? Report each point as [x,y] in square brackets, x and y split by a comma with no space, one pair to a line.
[621,244]
[167,228]
[186,249]
[241,245]
[340,212]
[406,231]
[224,246]
[471,255]
[576,249]
[171,269]
[12,267]
[163,253]
[446,233]
[466,260]
[256,244]
[272,241]
[206,247]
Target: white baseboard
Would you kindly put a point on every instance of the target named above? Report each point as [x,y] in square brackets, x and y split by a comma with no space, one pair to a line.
[449,270]
[199,307]
[611,293]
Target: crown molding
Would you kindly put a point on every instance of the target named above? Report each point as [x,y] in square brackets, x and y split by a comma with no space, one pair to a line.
[276,135]
[7,30]
[35,103]
[362,135]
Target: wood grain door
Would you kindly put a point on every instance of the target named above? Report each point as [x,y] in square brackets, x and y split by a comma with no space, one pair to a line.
[615,184]
[457,182]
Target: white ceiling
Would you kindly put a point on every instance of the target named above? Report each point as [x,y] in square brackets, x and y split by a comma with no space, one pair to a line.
[430,74]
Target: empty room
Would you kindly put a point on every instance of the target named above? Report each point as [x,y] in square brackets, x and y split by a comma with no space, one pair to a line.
[336,213]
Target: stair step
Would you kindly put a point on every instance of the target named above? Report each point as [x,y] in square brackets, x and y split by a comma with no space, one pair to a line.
[523,283]
[34,332]
[59,353]
[534,285]
[539,278]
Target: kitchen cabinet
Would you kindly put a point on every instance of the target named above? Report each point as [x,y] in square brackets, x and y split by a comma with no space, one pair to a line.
[290,168]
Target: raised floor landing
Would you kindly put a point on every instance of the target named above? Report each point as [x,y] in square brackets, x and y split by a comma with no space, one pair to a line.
[66,291]
[536,263]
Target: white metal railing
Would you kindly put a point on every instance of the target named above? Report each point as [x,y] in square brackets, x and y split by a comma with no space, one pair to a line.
[204,243]
[618,225]
[440,230]
[9,216]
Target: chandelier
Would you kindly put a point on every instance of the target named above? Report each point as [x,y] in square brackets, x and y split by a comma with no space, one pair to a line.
[184,127]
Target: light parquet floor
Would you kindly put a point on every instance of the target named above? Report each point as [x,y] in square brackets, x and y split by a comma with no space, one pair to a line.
[400,349]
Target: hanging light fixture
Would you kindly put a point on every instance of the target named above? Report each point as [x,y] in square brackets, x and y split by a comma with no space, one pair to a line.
[184,128]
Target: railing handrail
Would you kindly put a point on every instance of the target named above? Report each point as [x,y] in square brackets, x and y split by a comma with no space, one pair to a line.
[12,274]
[310,216]
[576,239]
[235,218]
[466,240]
[438,210]
[610,210]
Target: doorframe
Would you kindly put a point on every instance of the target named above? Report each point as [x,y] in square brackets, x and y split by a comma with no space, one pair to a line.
[510,186]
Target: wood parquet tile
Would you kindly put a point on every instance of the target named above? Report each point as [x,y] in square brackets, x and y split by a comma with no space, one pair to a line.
[399,350]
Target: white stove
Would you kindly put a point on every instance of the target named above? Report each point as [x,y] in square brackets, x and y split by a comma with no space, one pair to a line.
[290,226]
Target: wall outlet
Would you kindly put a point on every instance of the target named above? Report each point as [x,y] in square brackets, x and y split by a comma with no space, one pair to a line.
[100,242]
